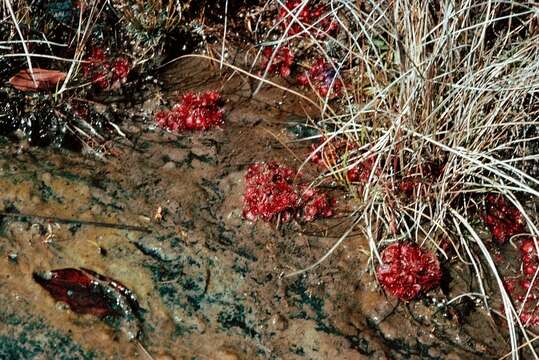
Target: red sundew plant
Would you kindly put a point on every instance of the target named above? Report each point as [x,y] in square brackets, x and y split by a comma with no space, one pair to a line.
[120,68]
[103,72]
[522,288]
[332,150]
[322,77]
[195,112]
[408,186]
[314,19]
[80,110]
[424,176]
[317,157]
[315,204]
[407,271]
[530,261]
[335,151]
[282,61]
[361,172]
[412,185]
[502,218]
[270,194]
[528,255]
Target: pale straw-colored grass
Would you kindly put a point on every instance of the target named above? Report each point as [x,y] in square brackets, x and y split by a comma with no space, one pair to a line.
[453,82]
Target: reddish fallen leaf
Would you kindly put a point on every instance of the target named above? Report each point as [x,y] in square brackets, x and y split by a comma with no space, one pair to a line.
[44,79]
[87,292]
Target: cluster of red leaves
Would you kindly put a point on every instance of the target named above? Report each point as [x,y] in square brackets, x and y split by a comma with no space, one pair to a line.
[334,151]
[408,186]
[407,271]
[424,175]
[104,72]
[520,285]
[361,172]
[331,152]
[322,77]
[271,193]
[315,204]
[195,112]
[311,19]
[502,218]
[282,61]
[80,109]
[528,255]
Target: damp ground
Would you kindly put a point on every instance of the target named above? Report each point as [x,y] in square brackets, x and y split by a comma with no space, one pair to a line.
[212,285]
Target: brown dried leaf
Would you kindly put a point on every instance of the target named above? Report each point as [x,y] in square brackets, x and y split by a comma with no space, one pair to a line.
[44,79]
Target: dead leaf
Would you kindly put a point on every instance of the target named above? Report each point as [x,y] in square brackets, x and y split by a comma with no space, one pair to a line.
[87,292]
[44,79]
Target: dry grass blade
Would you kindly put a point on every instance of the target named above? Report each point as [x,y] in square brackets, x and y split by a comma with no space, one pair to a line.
[8,5]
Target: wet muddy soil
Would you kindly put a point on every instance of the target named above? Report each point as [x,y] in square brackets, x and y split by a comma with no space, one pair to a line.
[210,283]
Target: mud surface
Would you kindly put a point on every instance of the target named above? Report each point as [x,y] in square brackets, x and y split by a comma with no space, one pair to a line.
[211,284]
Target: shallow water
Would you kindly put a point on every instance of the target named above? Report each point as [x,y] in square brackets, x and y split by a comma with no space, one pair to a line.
[211,284]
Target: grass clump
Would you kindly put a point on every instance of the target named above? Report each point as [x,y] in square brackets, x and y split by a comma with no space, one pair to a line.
[440,103]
